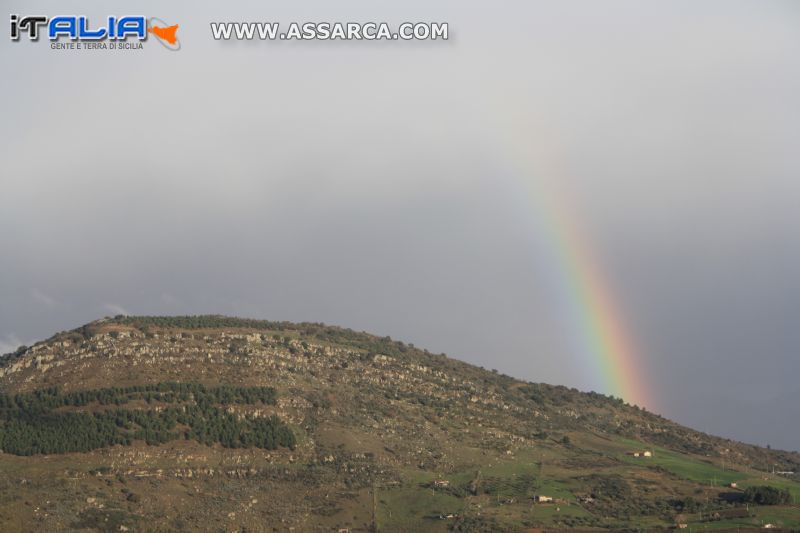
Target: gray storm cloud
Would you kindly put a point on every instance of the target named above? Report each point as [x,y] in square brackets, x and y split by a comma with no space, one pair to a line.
[378,185]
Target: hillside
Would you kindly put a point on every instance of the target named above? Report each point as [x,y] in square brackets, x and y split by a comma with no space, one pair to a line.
[226,424]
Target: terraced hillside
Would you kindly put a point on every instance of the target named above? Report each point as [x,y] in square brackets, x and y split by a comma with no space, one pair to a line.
[225,424]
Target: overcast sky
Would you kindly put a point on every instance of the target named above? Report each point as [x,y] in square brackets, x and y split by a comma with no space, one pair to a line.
[385,186]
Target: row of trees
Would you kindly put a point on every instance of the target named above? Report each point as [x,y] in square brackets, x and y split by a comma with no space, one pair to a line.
[201,321]
[31,424]
[55,433]
[169,392]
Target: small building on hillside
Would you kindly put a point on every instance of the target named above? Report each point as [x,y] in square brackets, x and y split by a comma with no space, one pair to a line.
[543,499]
[441,483]
[645,453]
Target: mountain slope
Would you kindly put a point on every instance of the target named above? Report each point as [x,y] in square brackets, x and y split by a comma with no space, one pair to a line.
[221,423]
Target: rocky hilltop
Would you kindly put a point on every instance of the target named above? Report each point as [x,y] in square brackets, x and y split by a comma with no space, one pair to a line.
[226,424]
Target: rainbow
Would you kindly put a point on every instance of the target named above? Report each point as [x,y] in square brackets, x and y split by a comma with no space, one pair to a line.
[596,324]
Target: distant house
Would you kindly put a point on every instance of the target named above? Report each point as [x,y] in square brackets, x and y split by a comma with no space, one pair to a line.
[543,499]
[441,483]
[733,485]
[646,453]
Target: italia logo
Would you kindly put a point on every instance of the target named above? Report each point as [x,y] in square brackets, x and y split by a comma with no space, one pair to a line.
[132,30]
